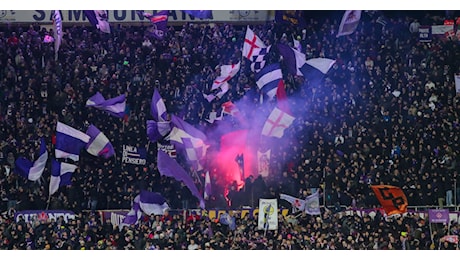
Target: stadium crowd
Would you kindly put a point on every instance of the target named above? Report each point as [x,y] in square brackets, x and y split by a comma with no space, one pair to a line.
[386,113]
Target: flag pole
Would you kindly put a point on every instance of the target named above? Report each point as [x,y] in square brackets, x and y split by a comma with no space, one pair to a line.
[48,202]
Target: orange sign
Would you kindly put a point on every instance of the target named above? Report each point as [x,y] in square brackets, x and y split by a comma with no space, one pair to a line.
[392,199]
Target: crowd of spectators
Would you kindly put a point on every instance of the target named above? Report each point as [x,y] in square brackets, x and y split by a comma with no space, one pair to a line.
[386,113]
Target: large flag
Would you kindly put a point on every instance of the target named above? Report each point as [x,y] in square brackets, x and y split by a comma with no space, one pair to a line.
[152,203]
[159,23]
[167,166]
[268,214]
[312,204]
[392,199]
[276,123]
[99,144]
[255,50]
[268,78]
[157,130]
[115,106]
[226,73]
[32,171]
[188,139]
[263,163]
[61,175]
[133,215]
[99,19]
[207,186]
[202,14]
[349,23]
[69,142]
[158,107]
[57,28]
[295,202]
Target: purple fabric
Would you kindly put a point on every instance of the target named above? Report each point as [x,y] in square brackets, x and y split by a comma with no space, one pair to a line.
[114,106]
[202,14]
[167,166]
[439,215]
[156,131]
[157,101]
[159,22]
[106,149]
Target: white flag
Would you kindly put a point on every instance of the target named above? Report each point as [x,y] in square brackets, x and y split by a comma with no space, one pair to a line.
[57,28]
[350,21]
[295,202]
[263,160]
[276,123]
[312,204]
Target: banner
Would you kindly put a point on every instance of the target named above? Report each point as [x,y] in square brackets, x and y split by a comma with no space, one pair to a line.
[268,214]
[31,215]
[441,29]
[457,83]
[392,199]
[263,162]
[424,34]
[438,215]
[168,149]
[134,155]
[130,16]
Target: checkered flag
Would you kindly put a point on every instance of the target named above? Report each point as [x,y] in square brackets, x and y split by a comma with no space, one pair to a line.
[258,61]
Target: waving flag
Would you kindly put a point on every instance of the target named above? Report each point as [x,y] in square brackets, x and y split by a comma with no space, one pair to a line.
[99,19]
[312,204]
[32,171]
[226,73]
[159,23]
[57,29]
[157,130]
[268,78]
[167,166]
[69,142]
[254,50]
[349,23]
[115,106]
[277,122]
[295,202]
[99,144]
[133,215]
[202,14]
[158,107]
[392,199]
[152,203]
[207,186]
[228,220]
[61,175]
[223,89]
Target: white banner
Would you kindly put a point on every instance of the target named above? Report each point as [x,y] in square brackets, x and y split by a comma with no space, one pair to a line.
[268,214]
[263,162]
[123,16]
[441,29]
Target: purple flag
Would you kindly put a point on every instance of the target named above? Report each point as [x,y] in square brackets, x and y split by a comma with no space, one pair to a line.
[167,166]
[69,142]
[61,175]
[157,130]
[152,203]
[158,107]
[438,215]
[32,171]
[159,23]
[99,19]
[115,106]
[202,14]
[133,215]
[99,144]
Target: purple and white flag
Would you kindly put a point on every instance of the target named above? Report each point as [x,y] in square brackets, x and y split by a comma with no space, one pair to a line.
[167,166]
[133,215]
[157,130]
[99,144]
[295,202]
[99,19]
[115,106]
[312,204]
[32,171]
[61,175]
[57,28]
[268,78]
[207,186]
[158,107]
[349,23]
[202,14]
[438,216]
[159,23]
[152,203]
[69,142]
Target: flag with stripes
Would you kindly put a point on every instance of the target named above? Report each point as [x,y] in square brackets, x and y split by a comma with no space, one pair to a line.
[61,175]
[69,142]
[254,50]
[99,144]
[115,106]
[268,78]
[32,170]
